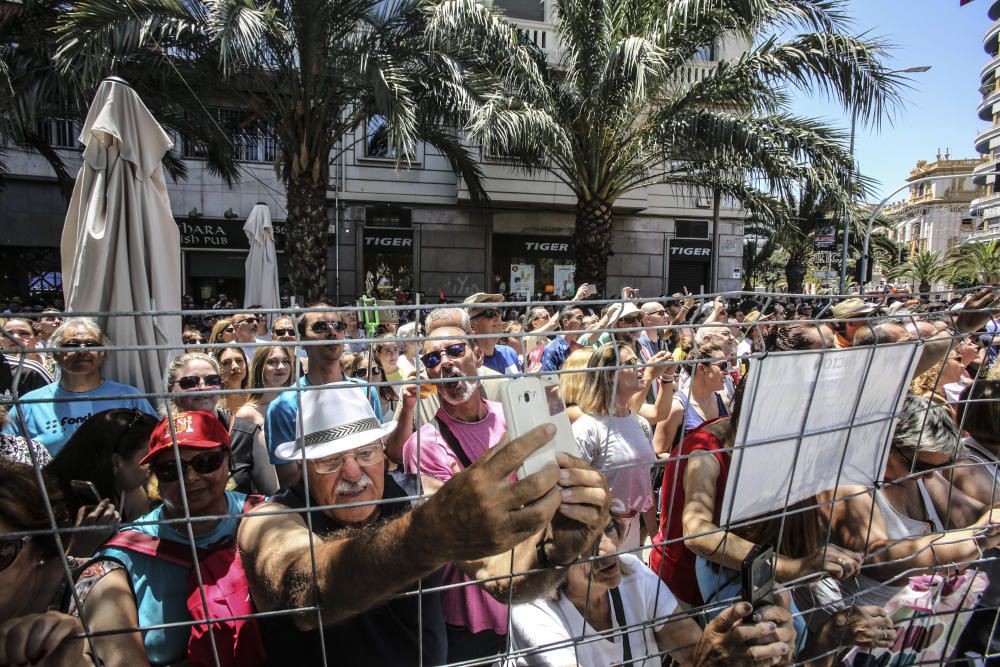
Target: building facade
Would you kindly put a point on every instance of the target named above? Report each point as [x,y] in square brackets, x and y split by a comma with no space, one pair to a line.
[935,216]
[986,208]
[412,228]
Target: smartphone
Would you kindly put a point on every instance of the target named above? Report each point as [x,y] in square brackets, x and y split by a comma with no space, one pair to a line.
[757,576]
[86,492]
[532,401]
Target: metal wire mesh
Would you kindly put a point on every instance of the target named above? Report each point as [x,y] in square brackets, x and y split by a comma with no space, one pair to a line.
[745,446]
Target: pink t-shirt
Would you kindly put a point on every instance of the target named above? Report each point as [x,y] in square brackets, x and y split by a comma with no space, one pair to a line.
[470,606]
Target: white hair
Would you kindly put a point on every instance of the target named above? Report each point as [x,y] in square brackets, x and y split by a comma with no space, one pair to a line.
[73,323]
[438,315]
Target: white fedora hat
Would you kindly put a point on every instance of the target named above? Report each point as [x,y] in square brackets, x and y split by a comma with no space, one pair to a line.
[335,419]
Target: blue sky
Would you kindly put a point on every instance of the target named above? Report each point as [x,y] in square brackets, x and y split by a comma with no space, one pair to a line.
[940,108]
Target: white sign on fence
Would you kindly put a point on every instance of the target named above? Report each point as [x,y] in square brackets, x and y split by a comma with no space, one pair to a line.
[783,452]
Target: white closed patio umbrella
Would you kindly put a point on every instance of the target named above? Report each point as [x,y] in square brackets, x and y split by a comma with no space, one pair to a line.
[120,245]
[262,262]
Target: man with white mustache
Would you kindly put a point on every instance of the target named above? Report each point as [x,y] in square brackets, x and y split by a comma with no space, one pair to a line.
[465,427]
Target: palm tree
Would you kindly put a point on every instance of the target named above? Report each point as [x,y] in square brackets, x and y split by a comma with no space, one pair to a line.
[758,248]
[977,263]
[310,71]
[619,110]
[926,268]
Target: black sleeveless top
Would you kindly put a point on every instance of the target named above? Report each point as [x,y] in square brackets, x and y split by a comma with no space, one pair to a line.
[389,634]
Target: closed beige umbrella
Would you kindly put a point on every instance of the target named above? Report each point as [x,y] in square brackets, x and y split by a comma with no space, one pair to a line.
[262,261]
[120,245]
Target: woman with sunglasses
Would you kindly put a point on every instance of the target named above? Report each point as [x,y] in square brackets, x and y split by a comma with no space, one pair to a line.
[233,369]
[80,391]
[191,379]
[223,331]
[368,368]
[39,617]
[194,445]
[106,451]
[193,340]
[705,400]
[614,439]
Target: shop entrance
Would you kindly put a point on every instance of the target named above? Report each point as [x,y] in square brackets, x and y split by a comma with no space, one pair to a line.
[535,267]
[388,262]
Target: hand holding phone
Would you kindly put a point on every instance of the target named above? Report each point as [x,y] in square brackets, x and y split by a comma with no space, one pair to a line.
[86,492]
[529,402]
[757,576]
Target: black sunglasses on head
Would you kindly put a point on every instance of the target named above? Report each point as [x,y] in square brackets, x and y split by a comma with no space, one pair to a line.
[189,382]
[433,359]
[9,549]
[322,326]
[203,464]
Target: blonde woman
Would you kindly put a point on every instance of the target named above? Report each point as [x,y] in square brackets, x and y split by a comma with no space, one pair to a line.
[571,384]
[223,332]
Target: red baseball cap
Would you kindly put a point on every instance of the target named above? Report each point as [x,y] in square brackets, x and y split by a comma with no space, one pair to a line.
[201,430]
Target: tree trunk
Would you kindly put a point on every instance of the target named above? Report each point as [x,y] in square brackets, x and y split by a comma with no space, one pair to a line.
[592,242]
[925,290]
[306,243]
[795,272]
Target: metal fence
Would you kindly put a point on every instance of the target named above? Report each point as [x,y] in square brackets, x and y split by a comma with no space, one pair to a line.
[840,417]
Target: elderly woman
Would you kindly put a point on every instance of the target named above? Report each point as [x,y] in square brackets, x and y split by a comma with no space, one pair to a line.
[39,619]
[191,379]
[583,623]
[614,439]
[80,391]
[193,446]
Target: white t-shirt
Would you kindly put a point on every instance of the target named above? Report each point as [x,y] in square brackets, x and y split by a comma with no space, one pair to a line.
[546,622]
[621,448]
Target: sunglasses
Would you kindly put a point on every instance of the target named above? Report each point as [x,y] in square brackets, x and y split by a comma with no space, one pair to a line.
[489,314]
[433,359]
[917,467]
[657,313]
[251,320]
[189,382]
[230,329]
[364,372]
[631,319]
[194,341]
[203,464]
[723,364]
[81,343]
[284,332]
[9,549]
[322,326]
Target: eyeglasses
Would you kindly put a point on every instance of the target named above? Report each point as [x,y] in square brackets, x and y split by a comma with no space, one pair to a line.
[284,332]
[81,343]
[631,319]
[364,372]
[916,466]
[722,364]
[9,549]
[433,359]
[322,326]
[189,382]
[489,314]
[251,320]
[203,464]
[365,456]
[657,313]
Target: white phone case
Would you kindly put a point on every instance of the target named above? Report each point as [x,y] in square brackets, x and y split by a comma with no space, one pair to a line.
[529,402]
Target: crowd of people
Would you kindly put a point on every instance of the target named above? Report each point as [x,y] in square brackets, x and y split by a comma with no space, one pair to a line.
[307,487]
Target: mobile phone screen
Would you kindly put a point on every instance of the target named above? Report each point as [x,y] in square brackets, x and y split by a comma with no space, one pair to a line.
[554,399]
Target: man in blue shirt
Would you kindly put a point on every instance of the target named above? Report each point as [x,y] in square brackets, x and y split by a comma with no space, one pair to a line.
[80,391]
[488,320]
[554,356]
[324,368]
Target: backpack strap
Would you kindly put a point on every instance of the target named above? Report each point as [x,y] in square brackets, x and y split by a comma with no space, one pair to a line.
[149,545]
[452,442]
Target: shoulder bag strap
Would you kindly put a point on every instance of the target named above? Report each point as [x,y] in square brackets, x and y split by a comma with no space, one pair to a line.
[616,602]
[452,442]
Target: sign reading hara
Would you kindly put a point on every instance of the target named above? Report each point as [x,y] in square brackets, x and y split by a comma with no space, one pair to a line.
[216,234]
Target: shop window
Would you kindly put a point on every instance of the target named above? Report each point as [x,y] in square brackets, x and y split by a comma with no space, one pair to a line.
[526,10]
[692,229]
[60,132]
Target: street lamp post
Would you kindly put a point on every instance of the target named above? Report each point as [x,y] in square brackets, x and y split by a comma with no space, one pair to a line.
[847,219]
[875,211]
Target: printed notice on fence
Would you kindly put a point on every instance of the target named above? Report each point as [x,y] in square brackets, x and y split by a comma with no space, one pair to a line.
[812,422]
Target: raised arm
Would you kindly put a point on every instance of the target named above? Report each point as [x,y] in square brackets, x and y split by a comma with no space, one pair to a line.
[477,514]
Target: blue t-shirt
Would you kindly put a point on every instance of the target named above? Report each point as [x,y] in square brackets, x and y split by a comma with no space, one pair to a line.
[161,588]
[52,424]
[283,412]
[503,360]
[555,353]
